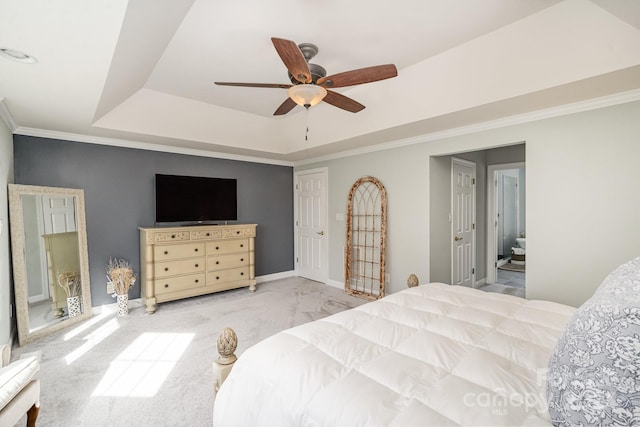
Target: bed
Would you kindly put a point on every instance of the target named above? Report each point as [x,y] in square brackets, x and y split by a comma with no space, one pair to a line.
[434,354]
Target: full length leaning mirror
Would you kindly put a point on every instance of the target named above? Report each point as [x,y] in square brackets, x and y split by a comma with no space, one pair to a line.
[50,261]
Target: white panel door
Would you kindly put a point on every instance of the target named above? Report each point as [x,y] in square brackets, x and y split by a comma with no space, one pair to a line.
[463,223]
[311,259]
[59,214]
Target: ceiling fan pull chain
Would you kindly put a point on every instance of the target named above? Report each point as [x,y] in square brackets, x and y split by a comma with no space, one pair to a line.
[306,133]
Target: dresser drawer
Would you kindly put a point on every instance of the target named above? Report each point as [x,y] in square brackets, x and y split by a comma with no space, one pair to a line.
[206,234]
[187,250]
[175,284]
[231,275]
[228,246]
[222,262]
[239,232]
[170,236]
[183,266]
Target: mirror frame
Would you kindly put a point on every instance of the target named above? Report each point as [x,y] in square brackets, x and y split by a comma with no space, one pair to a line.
[25,335]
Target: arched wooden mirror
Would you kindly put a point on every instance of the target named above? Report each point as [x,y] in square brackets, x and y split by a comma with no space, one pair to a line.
[366,235]
[50,261]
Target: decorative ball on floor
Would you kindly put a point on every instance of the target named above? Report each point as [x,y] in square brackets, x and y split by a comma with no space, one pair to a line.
[412,281]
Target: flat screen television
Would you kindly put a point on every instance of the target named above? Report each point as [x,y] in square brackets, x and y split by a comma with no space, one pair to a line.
[195,199]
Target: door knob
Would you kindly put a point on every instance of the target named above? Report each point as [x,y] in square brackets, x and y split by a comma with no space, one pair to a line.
[457,238]
[320,233]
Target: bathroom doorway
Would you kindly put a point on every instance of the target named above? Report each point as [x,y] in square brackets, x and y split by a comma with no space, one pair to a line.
[506,225]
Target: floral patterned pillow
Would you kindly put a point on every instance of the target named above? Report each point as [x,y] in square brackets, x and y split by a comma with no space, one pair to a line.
[594,373]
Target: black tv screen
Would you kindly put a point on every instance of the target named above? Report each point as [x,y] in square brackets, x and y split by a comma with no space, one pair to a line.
[195,199]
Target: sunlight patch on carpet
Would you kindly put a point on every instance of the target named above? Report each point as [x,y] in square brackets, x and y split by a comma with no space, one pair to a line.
[93,339]
[86,325]
[141,368]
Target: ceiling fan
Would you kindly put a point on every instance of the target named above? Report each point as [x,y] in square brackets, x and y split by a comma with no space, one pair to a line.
[310,83]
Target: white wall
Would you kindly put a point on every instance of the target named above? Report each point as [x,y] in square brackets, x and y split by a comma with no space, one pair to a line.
[582,207]
[6,177]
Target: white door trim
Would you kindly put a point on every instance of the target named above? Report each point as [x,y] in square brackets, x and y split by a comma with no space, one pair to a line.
[492,208]
[467,163]
[325,252]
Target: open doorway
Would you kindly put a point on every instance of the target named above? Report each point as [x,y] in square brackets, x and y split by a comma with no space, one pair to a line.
[441,216]
[506,225]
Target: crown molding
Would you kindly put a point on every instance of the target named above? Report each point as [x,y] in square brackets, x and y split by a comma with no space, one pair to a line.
[563,110]
[7,117]
[43,133]
[577,107]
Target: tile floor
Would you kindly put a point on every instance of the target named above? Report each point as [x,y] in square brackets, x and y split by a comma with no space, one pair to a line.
[511,278]
[509,282]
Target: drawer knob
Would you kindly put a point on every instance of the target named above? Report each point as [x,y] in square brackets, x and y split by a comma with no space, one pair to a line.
[196,249]
[238,232]
[166,285]
[173,236]
[208,234]
[242,273]
[196,265]
[217,248]
[217,262]
[166,252]
[197,280]
[166,269]
[217,277]
[241,259]
[242,246]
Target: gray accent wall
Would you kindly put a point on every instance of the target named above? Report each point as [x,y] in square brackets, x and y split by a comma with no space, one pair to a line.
[118,185]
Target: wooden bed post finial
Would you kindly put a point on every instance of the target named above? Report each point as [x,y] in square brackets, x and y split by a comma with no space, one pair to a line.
[227,344]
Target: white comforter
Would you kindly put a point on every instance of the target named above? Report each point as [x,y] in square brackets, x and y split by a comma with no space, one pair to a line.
[430,355]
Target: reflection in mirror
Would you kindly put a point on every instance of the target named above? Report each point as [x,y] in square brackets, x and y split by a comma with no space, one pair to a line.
[50,262]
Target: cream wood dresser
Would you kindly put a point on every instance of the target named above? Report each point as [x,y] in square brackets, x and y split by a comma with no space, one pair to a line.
[182,262]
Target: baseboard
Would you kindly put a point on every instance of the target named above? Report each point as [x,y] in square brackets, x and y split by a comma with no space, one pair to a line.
[480,282]
[275,276]
[137,302]
[335,284]
[113,307]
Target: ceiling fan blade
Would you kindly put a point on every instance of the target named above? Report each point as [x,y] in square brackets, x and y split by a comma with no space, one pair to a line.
[293,59]
[360,76]
[268,85]
[338,100]
[285,107]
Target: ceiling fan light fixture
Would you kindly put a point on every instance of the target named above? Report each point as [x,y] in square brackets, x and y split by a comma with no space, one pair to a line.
[307,95]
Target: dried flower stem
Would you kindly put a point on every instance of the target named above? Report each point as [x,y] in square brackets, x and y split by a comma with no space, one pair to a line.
[70,282]
[120,273]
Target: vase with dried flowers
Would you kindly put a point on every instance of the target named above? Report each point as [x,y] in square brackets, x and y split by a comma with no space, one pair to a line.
[70,282]
[121,277]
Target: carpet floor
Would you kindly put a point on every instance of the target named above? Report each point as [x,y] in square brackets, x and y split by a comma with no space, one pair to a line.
[155,370]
